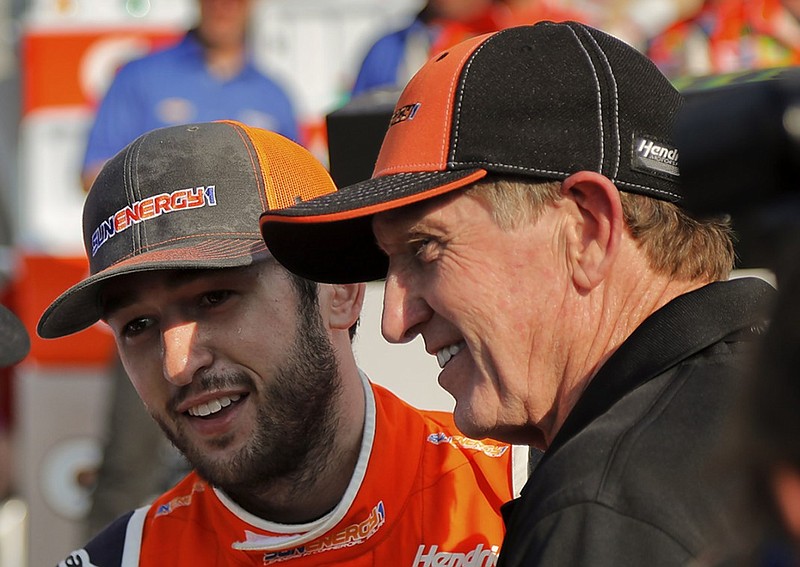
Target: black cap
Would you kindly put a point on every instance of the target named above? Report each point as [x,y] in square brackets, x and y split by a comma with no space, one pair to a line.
[541,101]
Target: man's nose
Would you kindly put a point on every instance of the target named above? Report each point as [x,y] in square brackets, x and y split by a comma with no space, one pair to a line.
[404,311]
[183,353]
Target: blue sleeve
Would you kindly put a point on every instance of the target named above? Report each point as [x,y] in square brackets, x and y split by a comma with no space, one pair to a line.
[119,119]
[105,549]
[379,67]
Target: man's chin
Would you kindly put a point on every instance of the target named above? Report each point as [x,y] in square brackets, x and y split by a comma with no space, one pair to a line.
[469,425]
[220,471]
[213,459]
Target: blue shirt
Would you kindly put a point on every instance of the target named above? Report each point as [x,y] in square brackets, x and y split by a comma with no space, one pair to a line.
[174,86]
[384,59]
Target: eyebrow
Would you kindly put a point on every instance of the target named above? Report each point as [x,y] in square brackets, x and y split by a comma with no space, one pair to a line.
[110,305]
[112,302]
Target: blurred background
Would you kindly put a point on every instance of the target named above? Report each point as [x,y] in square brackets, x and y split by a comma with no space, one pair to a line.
[58,57]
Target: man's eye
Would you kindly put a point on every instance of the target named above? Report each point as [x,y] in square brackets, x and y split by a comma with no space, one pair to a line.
[136,327]
[423,248]
[215,297]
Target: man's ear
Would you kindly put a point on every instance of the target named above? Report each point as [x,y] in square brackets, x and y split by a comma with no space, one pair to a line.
[344,303]
[594,242]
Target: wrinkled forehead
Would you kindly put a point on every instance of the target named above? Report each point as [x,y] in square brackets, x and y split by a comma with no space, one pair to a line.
[408,218]
[419,210]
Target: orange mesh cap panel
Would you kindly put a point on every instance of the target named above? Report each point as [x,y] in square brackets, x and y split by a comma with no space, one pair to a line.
[291,173]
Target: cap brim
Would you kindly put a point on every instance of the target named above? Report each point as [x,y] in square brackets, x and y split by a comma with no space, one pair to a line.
[79,307]
[14,340]
[329,239]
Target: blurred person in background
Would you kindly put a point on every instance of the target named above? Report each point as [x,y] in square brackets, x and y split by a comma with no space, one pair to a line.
[766,434]
[209,75]
[394,58]
[739,155]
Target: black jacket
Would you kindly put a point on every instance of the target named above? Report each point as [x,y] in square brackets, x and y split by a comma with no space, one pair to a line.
[629,478]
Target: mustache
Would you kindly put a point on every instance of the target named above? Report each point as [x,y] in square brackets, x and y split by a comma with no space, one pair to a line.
[211,381]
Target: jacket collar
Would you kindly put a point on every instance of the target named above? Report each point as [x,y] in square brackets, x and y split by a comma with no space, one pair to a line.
[683,327]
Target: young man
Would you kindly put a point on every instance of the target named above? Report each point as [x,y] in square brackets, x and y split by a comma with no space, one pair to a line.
[208,75]
[250,372]
[525,212]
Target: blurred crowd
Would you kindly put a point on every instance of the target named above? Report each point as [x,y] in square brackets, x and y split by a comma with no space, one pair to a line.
[683,37]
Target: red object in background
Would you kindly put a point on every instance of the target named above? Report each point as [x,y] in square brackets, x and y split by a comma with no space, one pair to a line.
[61,67]
[5,374]
[40,280]
[5,398]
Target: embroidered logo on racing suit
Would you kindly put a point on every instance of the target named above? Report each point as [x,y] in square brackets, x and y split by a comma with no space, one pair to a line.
[478,557]
[354,534]
[77,558]
[461,442]
[179,501]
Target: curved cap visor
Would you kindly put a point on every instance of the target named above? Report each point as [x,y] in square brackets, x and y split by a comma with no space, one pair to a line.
[14,340]
[79,307]
[334,232]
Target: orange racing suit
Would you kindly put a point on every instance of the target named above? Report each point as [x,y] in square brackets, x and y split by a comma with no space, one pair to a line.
[421,495]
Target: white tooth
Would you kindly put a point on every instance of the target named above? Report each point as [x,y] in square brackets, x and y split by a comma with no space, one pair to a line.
[213,406]
[448,352]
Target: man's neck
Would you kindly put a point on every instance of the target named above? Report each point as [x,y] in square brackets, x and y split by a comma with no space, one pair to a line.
[606,319]
[224,62]
[224,56]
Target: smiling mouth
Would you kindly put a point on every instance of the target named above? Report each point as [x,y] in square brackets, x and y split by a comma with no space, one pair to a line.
[213,407]
[448,352]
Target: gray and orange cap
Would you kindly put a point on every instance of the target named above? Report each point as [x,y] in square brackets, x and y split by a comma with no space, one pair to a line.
[183,197]
[541,101]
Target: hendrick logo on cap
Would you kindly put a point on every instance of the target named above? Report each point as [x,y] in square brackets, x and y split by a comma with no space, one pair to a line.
[404,113]
[150,208]
[657,158]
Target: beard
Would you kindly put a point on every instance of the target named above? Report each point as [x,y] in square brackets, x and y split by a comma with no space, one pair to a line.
[295,423]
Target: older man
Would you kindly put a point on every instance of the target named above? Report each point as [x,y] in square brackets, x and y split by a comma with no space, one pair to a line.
[525,212]
[250,372]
